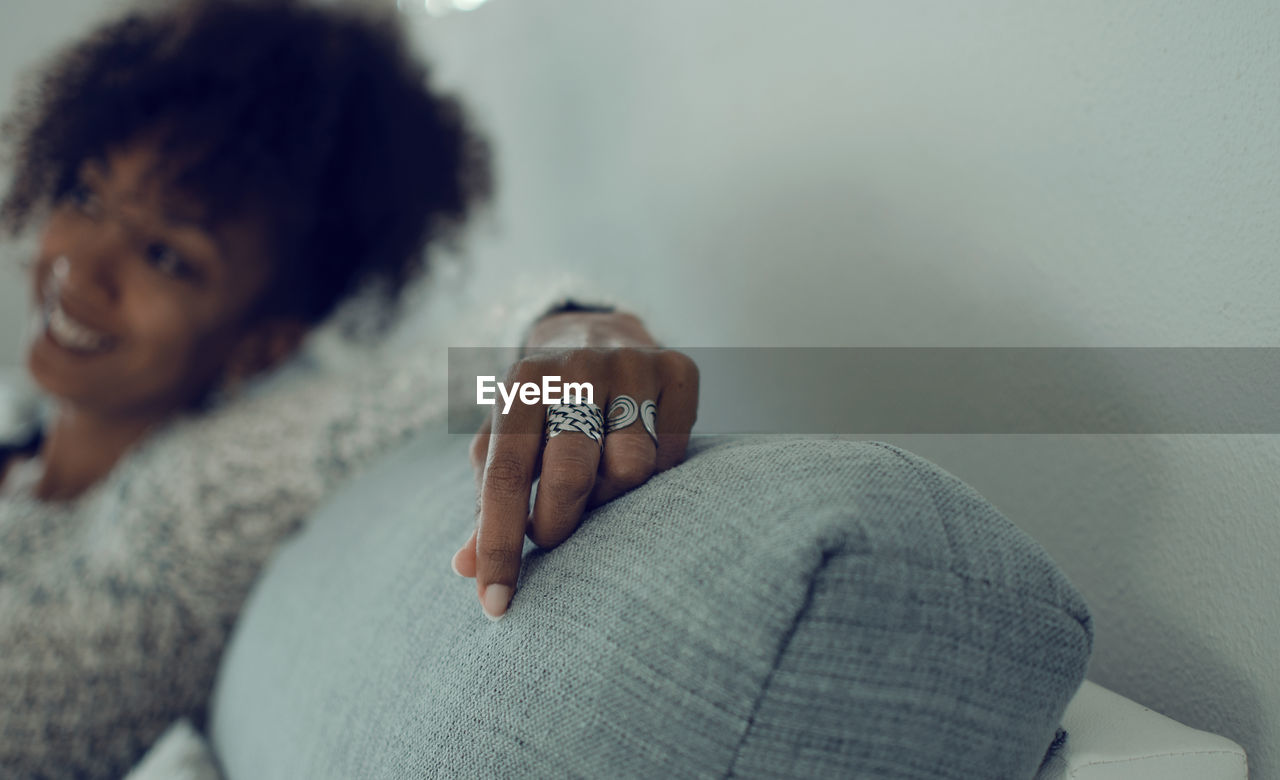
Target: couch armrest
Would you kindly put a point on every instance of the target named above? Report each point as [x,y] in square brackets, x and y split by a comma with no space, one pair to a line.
[786,608]
[1109,736]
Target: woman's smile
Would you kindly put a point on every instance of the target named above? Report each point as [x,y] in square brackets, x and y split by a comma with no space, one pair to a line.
[69,333]
[57,322]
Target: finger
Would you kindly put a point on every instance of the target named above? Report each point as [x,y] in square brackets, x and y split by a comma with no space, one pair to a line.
[480,448]
[571,459]
[504,503]
[464,560]
[630,454]
[677,406]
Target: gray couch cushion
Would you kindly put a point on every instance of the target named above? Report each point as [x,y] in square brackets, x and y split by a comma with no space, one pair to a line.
[795,608]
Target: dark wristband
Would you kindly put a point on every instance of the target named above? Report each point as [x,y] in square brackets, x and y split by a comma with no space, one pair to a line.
[571,306]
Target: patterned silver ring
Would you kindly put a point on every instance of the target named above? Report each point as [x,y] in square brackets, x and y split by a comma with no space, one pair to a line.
[586,419]
[622,412]
[649,417]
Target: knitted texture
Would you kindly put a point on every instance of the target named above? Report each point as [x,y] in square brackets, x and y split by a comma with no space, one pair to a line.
[775,608]
[114,608]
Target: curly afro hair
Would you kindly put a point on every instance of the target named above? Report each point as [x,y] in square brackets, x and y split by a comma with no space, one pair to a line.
[316,120]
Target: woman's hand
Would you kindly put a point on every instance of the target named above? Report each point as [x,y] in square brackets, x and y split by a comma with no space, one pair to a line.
[575,473]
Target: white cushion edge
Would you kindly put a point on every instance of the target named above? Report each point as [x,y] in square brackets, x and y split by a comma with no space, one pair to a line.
[181,753]
[1109,736]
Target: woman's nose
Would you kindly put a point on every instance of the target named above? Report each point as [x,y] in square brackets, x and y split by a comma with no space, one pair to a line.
[91,268]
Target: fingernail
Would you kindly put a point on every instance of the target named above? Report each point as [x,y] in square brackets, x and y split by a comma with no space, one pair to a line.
[496,599]
[453,564]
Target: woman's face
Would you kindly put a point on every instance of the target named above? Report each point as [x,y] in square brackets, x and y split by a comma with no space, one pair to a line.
[141,308]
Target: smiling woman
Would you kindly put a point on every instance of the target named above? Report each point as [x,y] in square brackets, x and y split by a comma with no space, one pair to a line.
[185,216]
[199,213]
[145,311]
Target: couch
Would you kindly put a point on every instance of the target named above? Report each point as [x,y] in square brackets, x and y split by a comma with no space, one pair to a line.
[772,607]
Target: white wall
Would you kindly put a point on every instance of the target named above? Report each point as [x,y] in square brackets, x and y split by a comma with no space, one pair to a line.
[840,172]
[993,173]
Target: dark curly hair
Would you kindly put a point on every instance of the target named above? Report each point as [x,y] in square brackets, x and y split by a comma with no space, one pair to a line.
[316,120]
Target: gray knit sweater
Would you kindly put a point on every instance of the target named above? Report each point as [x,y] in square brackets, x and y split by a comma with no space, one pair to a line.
[114,609]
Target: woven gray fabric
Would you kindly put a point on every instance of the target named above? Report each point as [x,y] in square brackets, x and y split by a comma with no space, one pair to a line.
[794,608]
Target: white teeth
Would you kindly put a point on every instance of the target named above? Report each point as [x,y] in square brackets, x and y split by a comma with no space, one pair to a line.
[70,333]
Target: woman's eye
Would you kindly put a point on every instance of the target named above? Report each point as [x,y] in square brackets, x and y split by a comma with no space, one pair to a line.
[84,200]
[168,262]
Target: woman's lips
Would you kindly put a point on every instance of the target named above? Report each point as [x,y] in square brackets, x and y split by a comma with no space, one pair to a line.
[67,331]
[62,328]
[72,334]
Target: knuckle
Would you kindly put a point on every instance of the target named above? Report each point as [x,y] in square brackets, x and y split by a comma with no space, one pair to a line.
[624,356]
[678,367]
[506,474]
[629,473]
[528,369]
[579,362]
[547,535]
[631,463]
[568,481]
[634,364]
[502,555]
